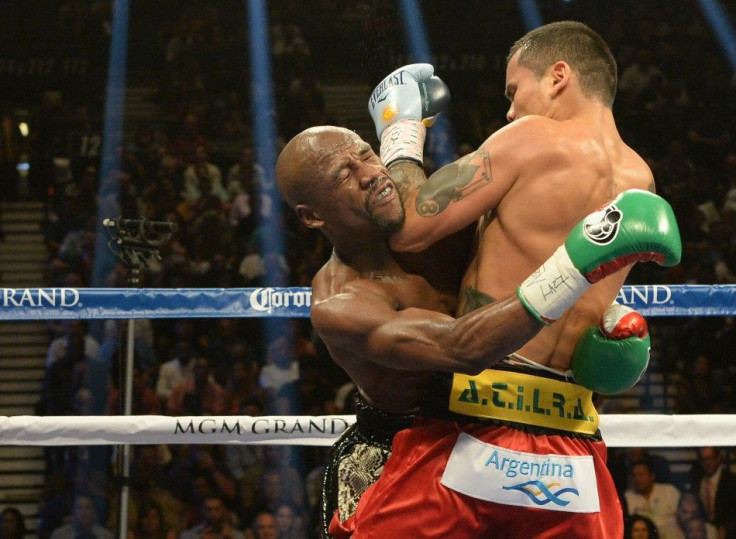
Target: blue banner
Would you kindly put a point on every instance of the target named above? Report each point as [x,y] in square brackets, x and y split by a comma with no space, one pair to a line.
[119,303]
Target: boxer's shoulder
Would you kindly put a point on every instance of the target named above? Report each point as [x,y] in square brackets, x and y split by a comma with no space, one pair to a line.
[529,138]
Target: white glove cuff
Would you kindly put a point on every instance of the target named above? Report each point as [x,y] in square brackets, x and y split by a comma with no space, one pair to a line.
[553,288]
[403,140]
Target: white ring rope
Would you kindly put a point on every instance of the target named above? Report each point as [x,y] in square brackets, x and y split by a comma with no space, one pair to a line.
[618,430]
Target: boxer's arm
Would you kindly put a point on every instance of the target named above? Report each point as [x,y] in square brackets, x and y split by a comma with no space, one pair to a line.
[459,193]
[364,319]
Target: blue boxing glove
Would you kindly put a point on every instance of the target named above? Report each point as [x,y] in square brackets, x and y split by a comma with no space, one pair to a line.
[402,106]
[612,357]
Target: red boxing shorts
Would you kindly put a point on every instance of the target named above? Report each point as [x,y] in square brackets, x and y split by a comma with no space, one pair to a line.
[477,480]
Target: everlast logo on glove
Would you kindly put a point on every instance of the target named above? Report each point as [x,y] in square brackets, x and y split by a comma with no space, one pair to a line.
[394,79]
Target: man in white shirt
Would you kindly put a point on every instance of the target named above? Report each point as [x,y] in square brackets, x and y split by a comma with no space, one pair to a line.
[60,346]
[658,501]
[175,371]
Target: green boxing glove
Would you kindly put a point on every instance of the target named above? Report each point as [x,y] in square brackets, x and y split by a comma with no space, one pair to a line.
[637,226]
[613,356]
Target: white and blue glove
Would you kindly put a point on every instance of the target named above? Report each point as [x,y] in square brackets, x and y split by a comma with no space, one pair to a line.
[402,106]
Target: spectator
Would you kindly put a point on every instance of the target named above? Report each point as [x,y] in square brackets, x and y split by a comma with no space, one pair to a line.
[621,460]
[115,334]
[58,385]
[198,395]
[149,485]
[12,524]
[225,338]
[690,509]
[162,198]
[199,471]
[281,370]
[242,385]
[176,370]
[144,400]
[203,167]
[83,522]
[187,142]
[266,487]
[640,527]
[290,524]
[715,486]
[241,457]
[245,176]
[658,501]
[74,330]
[698,528]
[150,523]
[216,521]
[265,526]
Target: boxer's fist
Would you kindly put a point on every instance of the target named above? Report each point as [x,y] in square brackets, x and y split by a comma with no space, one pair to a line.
[612,357]
[402,106]
[637,226]
[409,93]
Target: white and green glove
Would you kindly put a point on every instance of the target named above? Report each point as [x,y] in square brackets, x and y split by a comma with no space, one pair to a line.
[402,106]
[612,357]
[637,226]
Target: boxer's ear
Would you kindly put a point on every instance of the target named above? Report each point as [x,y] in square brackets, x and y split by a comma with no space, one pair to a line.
[560,73]
[308,216]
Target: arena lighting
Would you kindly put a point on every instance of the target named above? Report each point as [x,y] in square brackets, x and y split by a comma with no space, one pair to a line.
[440,146]
[109,206]
[112,139]
[263,114]
[717,17]
[530,13]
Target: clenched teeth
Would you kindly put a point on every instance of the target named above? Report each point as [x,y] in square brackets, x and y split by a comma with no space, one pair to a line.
[384,192]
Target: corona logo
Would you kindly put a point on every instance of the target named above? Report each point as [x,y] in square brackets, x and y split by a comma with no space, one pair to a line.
[265,300]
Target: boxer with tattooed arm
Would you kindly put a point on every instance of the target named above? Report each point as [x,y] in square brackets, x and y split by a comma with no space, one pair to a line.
[526,186]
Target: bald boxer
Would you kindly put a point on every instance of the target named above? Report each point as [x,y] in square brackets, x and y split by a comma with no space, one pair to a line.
[526,186]
[390,328]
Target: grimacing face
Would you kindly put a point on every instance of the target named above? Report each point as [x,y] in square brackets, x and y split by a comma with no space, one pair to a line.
[356,184]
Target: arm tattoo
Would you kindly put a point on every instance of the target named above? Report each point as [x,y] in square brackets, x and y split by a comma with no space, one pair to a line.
[406,177]
[454,182]
[471,299]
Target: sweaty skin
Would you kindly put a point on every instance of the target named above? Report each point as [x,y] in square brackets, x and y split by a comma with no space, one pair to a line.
[526,186]
[386,325]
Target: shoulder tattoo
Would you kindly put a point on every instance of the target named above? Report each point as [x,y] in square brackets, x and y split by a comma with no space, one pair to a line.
[454,182]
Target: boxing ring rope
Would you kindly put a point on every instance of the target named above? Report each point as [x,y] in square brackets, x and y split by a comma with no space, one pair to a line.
[624,430]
